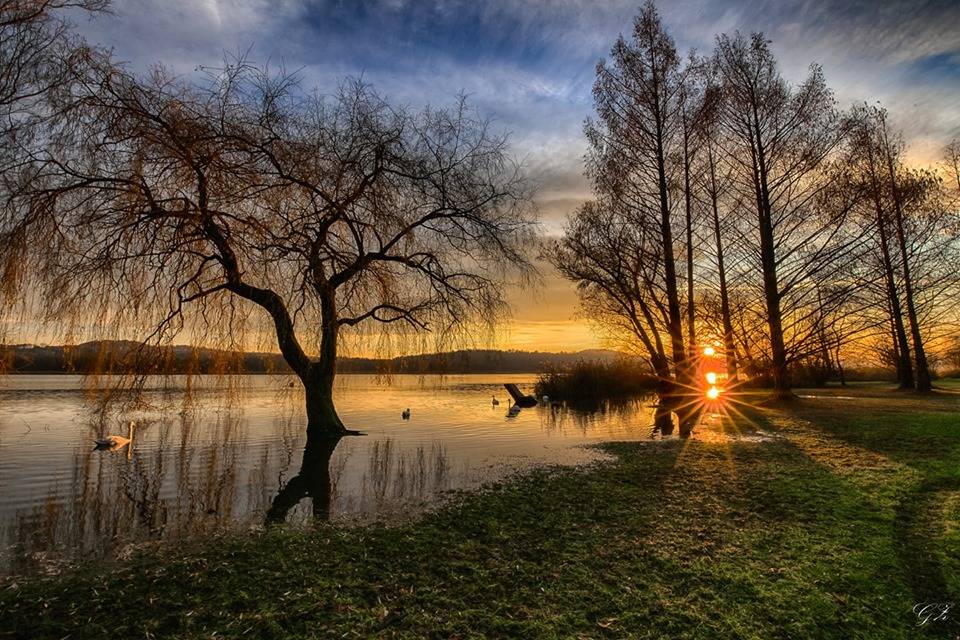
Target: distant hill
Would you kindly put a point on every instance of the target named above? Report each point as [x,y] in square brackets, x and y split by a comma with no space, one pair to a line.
[133,357]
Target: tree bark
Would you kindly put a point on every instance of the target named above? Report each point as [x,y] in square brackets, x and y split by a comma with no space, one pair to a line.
[316,376]
[728,345]
[768,260]
[691,311]
[663,418]
[669,265]
[923,380]
[322,418]
[666,385]
[901,346]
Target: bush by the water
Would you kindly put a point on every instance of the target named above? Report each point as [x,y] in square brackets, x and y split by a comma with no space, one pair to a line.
[589,382]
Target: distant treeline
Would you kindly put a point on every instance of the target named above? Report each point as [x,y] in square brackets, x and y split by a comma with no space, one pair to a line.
[133,357]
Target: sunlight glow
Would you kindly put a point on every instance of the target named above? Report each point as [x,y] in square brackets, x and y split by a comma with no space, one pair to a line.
[713,393]
[711,377]
[709,351]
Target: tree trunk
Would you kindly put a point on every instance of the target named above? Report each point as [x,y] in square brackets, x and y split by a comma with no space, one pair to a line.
[666,384]
[923,381]
[669,266]
[316,376]
[322,418]
[688,416]
[663,419]
[781,381]
[692,352]
[901,346]
[728,345]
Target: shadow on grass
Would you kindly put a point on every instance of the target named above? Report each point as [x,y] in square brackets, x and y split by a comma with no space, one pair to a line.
[924,438]
[918,526]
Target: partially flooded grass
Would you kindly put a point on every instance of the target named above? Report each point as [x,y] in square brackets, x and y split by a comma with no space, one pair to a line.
[834,528]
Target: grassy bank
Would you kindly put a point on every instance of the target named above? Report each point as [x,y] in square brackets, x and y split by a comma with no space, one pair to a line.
[834,528]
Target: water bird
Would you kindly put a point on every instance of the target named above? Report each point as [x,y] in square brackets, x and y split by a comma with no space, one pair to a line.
[405,414]
[495,401]
[545,399]
[115,442]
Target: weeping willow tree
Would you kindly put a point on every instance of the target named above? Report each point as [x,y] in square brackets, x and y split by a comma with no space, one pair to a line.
[38,53]
[201,206]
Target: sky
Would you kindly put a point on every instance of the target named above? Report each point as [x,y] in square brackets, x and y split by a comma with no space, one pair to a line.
[529,65]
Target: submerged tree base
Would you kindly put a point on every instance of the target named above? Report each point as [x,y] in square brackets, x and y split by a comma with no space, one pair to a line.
[323,422]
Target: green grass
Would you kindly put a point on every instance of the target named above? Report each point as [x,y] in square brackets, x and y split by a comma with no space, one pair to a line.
[951,384]
[834,529]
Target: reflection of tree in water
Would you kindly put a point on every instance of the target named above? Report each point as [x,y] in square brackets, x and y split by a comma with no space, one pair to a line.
[676,412]
[393,477]
[188,475]
[312,481]
[395,474]
[584,420]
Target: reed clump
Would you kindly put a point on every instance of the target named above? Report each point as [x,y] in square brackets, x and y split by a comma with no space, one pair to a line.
[592,382]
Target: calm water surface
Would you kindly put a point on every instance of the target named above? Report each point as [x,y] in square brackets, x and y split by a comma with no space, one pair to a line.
[214,454]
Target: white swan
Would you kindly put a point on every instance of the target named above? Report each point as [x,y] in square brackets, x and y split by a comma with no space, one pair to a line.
[115,442]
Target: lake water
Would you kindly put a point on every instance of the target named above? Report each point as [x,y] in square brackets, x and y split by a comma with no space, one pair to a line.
[214,454]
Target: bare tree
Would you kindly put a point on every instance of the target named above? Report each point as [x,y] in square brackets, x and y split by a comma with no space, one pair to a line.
[691,112]
[780,140]
[614,262]
[164,203]
[952,163]
[890,148]
[35,47]
[714,184]
[635,144]
[868,153]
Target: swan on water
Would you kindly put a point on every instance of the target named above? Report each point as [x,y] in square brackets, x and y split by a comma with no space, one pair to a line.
[406,414]
[495,401]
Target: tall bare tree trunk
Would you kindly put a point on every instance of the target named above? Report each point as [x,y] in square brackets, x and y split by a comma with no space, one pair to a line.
[316,376]
[670,267]
[691,311]
[768,261]
[901,346]
[923,381]
[728,345]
